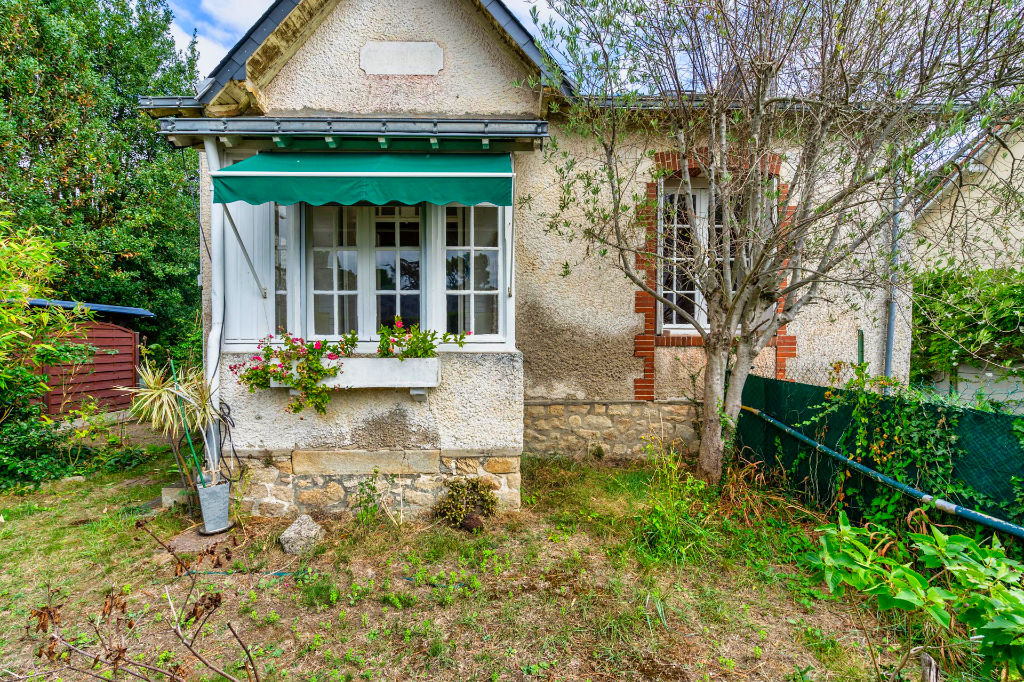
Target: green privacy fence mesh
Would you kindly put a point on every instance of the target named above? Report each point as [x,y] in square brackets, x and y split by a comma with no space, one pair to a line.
[984,449]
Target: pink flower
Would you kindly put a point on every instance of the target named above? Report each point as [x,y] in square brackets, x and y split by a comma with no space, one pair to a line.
[469,333]
[257,358]
[393,340]
[332,356]
[408,336]
[398,323]
[317,345]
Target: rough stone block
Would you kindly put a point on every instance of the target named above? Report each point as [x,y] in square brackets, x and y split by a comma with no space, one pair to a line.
[301,536]
[466,466]
[172,496]
[419,499]
[501,465]
[260,474]
[557,410]
[597,422]
[356,462]
[620,410]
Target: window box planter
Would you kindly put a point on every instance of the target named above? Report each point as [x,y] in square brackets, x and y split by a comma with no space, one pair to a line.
[415,374]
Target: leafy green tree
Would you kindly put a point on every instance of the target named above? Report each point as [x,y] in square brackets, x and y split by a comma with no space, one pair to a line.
[85,168]
[29,339]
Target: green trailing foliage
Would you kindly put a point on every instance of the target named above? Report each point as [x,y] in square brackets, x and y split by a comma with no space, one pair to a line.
[902,433]
[82,166]
[967,318]
[464,497]
[952,590]
[402,342]
[298,364]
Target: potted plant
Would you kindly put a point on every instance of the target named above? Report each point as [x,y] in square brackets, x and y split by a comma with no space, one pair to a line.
[178,405]
[406,358]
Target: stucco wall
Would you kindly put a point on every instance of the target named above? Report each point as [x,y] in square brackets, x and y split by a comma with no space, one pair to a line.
[478,406]
[477,78]
[576,332]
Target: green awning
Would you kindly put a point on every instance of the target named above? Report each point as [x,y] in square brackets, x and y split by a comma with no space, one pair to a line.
[347,178]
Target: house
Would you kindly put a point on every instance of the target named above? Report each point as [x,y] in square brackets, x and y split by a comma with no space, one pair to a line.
[974,221]
[343,138]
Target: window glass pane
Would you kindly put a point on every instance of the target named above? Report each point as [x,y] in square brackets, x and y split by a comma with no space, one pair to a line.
[348,234]
[668,313]
[347,271]
[456,231]
[323,275]
[485,314]
[387,211]
[347,307]
[485,226]
[386,270]
[386,310]
[457,267]
[458,314]
[485,270]
[410,261]
[410,309]
[409,234]
[385,233]
[280,312]
[323,218]
[323,315]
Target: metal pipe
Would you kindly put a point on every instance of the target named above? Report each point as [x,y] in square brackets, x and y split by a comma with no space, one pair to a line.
[890,331]
[941,504]
[215,339]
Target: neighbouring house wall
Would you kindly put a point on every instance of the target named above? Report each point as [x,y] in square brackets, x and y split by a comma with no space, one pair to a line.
[971,221]
[324,75]
[472,423]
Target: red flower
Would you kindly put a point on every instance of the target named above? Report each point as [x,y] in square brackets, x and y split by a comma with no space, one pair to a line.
[317,345]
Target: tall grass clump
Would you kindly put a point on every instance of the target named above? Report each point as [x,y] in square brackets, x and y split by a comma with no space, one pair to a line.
[672,526]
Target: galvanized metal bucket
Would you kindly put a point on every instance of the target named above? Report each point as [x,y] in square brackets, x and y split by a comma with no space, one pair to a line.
[215,503]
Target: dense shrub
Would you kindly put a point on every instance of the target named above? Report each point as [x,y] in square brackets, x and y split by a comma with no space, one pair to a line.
[464,498]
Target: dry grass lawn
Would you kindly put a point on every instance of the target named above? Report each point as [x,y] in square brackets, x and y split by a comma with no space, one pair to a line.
[555,592]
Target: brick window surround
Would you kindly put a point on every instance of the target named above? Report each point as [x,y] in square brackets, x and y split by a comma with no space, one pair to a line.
[645,304]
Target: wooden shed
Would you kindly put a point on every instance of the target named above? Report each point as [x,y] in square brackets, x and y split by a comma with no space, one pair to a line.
[112,367]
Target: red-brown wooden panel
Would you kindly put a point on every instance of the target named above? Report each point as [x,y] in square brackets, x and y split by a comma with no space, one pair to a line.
[99,378]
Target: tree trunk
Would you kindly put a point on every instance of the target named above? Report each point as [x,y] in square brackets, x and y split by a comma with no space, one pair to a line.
[712,446]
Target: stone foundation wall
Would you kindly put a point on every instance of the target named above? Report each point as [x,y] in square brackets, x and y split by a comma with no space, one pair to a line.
[327,481]
[615,429]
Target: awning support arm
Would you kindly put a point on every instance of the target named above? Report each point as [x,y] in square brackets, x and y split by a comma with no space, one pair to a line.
[238,238]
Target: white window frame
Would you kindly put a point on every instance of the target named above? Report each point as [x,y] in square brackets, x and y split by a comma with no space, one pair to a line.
[433,303]
[700,210]
[439,266]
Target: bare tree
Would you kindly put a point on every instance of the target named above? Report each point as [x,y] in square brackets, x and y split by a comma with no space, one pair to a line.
[793,133]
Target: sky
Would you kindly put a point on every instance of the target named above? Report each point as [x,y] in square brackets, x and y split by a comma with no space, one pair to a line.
[220,23]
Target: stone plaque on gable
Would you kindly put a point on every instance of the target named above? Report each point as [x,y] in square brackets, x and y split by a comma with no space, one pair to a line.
[395,58]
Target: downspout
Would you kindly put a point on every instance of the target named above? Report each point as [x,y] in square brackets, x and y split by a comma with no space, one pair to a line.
[890,331]
[215,339]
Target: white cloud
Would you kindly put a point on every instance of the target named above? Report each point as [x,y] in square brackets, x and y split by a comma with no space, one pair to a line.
[238,15]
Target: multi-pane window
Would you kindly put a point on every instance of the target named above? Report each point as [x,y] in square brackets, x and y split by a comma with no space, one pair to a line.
[335,270]
[397,258]
[440,267]
[472,269]
[677,264]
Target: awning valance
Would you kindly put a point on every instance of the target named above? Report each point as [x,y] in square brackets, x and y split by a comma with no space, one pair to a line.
[347,178]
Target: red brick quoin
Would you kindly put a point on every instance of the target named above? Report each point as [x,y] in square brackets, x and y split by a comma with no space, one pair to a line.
[645,304]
